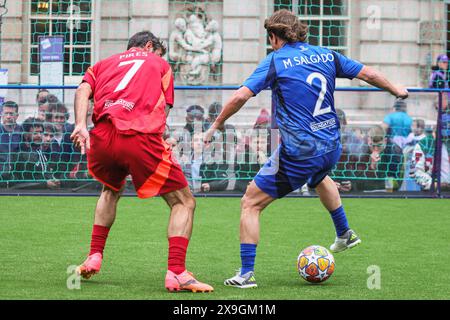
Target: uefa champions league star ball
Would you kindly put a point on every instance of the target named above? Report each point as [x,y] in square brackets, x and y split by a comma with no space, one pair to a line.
[315,264]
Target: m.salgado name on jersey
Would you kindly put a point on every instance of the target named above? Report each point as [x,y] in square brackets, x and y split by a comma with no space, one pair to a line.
[313,59]
[122,103]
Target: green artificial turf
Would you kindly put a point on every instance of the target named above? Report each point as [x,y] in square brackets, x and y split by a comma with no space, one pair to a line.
[41,237]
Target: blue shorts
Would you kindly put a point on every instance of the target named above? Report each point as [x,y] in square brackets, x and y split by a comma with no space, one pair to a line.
[282,174]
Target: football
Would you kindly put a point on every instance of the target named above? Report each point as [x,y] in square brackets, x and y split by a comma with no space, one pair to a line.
[315,264]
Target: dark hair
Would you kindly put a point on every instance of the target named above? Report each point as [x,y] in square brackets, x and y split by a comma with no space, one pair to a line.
[39,92]
[420,123]
[286,25]
[341,116]
[159,44]
[195,107]
[49,99]
[30,123]
[48,127]
[377,133]
[214,109]
[54,108]
[11,104]
[140,39]
[166,133]
[400,105]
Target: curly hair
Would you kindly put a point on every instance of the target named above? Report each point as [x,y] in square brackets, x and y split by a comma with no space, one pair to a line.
[286,25]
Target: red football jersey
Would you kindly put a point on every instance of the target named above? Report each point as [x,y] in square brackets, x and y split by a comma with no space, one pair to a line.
[132,89]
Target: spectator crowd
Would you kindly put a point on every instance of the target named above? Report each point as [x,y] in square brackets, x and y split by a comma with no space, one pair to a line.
[39,153]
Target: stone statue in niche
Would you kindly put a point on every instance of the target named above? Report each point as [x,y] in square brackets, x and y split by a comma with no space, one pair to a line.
[195,47]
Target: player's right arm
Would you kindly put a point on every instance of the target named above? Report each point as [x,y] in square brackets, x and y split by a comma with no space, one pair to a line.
[377,79]
[262,78]
[167,86]
[80,134]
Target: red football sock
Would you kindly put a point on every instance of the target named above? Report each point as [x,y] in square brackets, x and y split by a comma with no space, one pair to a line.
[98,239]
[177,254]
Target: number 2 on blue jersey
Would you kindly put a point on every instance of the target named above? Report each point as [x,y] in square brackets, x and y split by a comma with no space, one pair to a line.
[318,111]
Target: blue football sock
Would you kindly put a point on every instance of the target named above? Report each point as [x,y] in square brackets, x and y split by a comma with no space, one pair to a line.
[248,255]
[340,221]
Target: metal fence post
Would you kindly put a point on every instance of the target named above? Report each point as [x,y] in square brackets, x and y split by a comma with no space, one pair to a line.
[437,161]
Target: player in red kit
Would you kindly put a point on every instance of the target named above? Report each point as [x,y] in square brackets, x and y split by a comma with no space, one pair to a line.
[133,93]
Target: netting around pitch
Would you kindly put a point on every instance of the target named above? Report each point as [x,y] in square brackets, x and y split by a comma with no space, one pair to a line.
[43,158]
[219,43]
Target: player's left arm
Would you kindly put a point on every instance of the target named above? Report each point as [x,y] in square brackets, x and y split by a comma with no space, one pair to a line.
[350,69]
[378,79]
[233,105]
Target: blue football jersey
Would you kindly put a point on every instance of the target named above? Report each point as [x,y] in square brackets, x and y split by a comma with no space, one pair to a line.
[302,78]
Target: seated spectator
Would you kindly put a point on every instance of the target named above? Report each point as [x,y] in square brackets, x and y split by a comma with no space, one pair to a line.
[201,176]
[352,140]
[263,120]
[353,146]
[385,160]
[380,165]
[31,166]
[423,161]
[408,144]
[44,104]
[417,133]
[398,123]
[195,121]
[252,152]
[41,96]
[214,110]
[218,159]
[214,176]
[194,163]
[10,137]
[58,115]
[439,79]
[249,159]
[205,173]
[52,150]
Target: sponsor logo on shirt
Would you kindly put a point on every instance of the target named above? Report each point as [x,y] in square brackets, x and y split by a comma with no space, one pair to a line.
[322,125]
[123,103]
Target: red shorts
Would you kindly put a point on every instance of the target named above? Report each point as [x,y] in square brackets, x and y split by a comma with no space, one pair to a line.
[146,157]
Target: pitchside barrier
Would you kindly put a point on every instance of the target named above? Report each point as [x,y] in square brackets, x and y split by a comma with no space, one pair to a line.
[391,148]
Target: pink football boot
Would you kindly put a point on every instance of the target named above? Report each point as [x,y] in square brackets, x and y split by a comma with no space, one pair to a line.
[91,266]
[185,281]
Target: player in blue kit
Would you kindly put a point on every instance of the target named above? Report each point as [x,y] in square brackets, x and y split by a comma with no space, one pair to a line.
[302,78]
